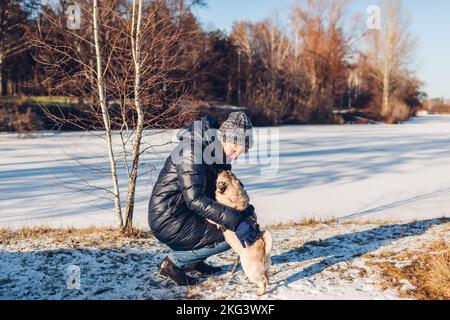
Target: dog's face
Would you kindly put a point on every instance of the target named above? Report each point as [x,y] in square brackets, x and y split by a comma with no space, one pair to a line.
[231,192]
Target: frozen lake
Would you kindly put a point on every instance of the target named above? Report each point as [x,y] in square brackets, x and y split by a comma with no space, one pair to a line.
[379,172]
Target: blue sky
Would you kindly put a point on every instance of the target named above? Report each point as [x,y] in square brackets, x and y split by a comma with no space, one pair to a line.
[430,23]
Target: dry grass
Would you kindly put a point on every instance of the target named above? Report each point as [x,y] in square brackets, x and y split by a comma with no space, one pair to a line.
[429,272]
[309,222]
[212,285]
[72,237]
[369,222]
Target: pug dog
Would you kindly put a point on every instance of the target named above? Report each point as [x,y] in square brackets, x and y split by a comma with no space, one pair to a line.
[255,260]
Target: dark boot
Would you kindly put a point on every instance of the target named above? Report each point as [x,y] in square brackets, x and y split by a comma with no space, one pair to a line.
[203,268]
[169,270]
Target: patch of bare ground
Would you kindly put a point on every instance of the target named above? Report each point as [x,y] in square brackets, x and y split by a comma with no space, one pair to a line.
[422,274]
[102,238]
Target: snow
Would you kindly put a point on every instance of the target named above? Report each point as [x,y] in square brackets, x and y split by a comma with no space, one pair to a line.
[358,175]
[39,270]
[362,172]
[325,261]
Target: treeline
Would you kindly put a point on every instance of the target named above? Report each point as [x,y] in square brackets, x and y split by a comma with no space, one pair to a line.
[437,106]
[315,67]
[320,66]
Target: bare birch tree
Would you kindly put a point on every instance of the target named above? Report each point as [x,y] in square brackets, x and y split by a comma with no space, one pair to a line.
[136,80]
[105,114]
[136,21]
[390,50]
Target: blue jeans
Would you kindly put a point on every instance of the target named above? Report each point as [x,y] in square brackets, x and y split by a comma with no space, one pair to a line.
[184,258]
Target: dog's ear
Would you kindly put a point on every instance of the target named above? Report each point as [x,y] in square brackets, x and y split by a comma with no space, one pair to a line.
[222,186]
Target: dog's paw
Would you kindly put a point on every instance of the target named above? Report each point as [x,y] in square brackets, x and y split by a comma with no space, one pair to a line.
[261,292]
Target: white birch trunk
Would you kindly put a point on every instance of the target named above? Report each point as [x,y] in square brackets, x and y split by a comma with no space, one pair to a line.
[106,119]
[132,178]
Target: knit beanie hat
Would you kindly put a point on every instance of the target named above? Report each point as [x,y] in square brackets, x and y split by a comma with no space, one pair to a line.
[238,129]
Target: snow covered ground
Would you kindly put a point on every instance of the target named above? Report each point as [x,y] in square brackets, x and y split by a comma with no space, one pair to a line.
[325,261]
[381,172]
[363,173]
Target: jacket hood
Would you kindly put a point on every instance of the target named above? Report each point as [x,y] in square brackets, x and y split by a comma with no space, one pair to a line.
[205,133]
[203,130]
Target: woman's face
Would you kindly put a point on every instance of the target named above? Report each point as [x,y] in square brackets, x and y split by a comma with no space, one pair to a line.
[233,151]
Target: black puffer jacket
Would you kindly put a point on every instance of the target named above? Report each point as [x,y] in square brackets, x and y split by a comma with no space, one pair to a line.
[182,198]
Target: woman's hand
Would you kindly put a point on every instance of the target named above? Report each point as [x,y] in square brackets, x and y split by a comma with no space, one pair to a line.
[246,234]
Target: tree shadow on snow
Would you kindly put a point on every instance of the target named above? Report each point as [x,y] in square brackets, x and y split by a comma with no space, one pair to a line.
[346,247]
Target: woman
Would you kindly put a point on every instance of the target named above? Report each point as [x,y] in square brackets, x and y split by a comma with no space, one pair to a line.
[182,198]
